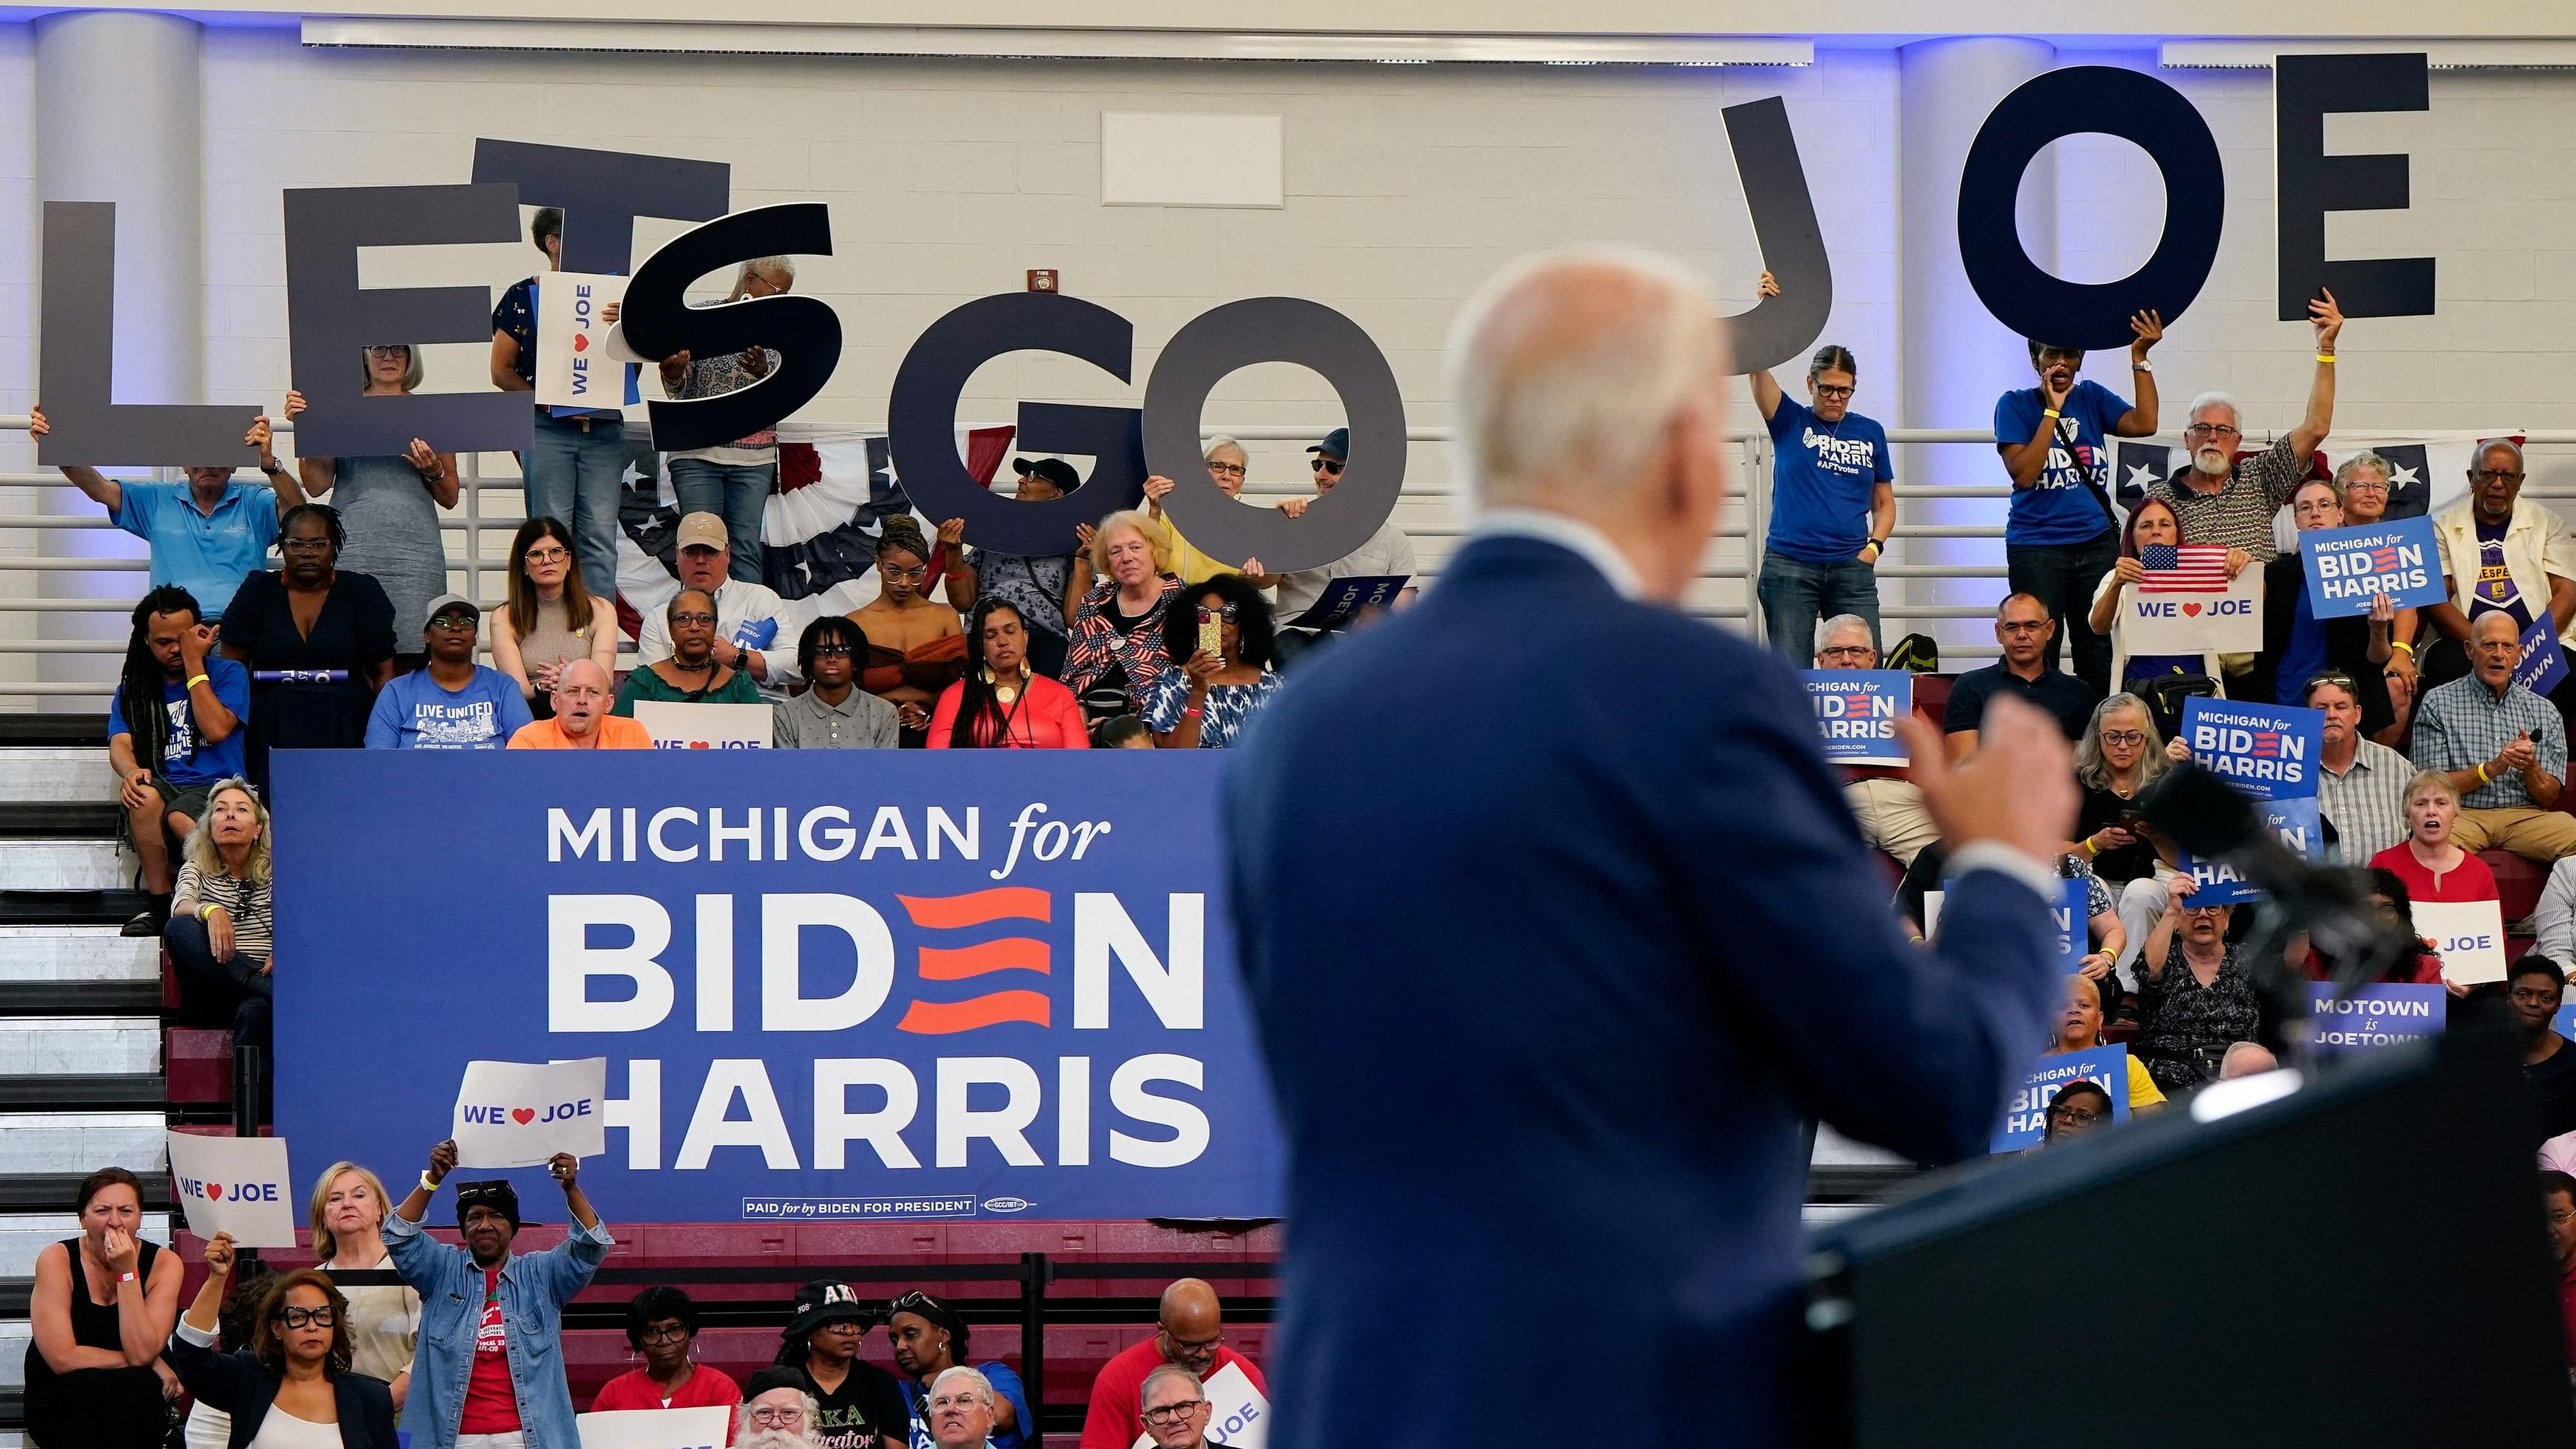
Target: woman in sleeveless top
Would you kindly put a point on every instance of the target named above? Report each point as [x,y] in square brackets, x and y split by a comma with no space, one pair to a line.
[390,505]
[310,621]
[101,1309]
[916,648]
[551,620]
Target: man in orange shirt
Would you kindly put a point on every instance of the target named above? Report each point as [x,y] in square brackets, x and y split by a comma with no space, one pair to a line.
[582,721]
[1192,1335]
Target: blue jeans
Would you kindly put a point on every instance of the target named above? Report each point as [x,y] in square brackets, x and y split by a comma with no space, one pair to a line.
[571,473]
[1796,594]
[736,492]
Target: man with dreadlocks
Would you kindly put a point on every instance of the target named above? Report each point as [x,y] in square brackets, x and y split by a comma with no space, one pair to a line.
[174,728]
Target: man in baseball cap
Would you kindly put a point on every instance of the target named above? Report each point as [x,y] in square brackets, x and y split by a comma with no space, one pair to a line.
[858,1403]
[1387,554]
[451,702]
[749,620]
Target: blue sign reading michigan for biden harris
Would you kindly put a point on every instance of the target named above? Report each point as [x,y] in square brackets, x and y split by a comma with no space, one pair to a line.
[830,985]
[2348,567]
[2268,751]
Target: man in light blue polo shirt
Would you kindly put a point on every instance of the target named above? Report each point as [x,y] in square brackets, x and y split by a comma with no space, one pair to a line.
[208,533]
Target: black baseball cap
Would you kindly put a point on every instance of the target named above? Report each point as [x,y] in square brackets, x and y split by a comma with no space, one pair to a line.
[1055,470]
[1336,444]
[494,1193]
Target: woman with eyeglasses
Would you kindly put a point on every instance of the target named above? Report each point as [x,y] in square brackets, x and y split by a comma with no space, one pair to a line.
[2367,483]
[2078,1107]
[390,503]
[293,1388]
[318,639]
[2430,864]
[551,619]
[692,675]
[2298,646]
[1206,702]
[1228,466]
[662,1325]
[1833,501]
[348,1219]
[2195,997]
[916,647]
[2119,756]
[2151,523]
[1003,703]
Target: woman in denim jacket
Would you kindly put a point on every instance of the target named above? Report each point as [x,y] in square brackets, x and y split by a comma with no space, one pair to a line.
[489,1372]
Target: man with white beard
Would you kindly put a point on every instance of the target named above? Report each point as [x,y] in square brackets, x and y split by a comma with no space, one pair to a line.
[776,1412]
[2219,500]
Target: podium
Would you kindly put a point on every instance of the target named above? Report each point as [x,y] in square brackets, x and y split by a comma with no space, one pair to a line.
[2363,1262]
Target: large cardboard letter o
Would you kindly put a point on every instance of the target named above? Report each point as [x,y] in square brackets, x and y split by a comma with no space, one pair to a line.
[921,419]
[1276,329]
[2072,102]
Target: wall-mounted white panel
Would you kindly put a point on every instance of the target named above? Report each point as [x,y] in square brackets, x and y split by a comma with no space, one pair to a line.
[1150,158]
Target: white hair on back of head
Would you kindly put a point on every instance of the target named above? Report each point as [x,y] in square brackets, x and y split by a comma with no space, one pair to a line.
[1566,369]
[2216,399]
[1208,453]
[782,265]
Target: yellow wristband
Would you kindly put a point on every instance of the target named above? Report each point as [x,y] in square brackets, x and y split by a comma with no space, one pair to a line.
[2483,777]
[195,679]
[2325,357]
[2090,848]
[2048,412]
[2409,648]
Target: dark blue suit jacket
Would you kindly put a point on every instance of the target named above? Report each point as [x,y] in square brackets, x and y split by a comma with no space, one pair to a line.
[1543,1034]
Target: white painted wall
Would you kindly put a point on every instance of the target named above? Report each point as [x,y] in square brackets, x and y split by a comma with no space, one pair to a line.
[1406,187]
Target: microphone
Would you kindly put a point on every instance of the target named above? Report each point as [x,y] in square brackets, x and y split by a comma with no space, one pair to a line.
[2209,818]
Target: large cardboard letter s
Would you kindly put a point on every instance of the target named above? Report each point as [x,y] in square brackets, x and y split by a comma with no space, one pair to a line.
[656,322]
[76,381]
[330,319]
[2070,102]
[2309,183]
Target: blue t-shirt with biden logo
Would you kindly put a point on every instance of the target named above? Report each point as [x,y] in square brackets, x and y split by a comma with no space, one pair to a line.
[2063,506]
[1822,475]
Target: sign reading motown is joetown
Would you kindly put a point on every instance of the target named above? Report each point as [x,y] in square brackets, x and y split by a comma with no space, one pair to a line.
[828,985]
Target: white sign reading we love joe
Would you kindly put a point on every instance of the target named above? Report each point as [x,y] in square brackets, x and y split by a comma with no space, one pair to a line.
[234,1185]
[520,1114]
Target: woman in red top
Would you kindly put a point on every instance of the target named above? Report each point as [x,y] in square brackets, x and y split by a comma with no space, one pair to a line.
[662,1324]
[2432,867]
[1003,704]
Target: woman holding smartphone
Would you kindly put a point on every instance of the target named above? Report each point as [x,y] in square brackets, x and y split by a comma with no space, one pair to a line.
[2119,756]
[1219,633]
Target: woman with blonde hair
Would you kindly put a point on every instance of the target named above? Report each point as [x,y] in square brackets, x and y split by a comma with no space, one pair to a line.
[348,1215]
[221,935]
[1118,651]
[2430,863]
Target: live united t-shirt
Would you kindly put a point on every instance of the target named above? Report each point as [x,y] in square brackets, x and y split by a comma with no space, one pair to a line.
[1822,476]
[491,1404]
[416,712]
[2062,507]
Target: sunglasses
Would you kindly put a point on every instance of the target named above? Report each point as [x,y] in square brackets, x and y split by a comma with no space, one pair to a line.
[1325,465]
[1216,611]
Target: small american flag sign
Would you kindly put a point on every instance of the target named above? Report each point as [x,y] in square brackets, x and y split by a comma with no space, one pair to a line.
[2192,568]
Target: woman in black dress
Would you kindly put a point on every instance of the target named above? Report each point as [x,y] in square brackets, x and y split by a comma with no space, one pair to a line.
[100,1309]
[310,622]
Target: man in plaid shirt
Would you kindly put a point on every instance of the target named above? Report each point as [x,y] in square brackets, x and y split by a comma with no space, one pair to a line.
[2504,747]
[2223,501]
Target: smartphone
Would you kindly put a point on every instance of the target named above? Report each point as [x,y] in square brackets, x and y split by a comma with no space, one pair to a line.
[1212,635]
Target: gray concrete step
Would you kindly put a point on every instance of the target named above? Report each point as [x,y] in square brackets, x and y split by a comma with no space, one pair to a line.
[93,1046]
[56,774]
[22,1234]
[80,1142]
[76,953]
[64,865]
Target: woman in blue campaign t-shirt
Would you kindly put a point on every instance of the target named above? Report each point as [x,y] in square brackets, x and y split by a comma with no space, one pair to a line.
[1833,500]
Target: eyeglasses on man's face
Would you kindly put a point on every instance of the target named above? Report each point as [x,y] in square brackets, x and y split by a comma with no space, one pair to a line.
[2495,475]
[832,651]
[1844,651]
[1174,1413]
[2212,430]
[777,1414]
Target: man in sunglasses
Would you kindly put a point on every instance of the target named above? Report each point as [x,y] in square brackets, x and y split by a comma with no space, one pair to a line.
[1387,554]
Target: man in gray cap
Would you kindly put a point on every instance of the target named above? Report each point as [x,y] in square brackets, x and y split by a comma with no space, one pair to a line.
[451,702]
[1387,554]
[750,635]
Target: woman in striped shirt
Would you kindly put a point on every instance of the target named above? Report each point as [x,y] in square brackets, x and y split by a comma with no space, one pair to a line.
[219,932]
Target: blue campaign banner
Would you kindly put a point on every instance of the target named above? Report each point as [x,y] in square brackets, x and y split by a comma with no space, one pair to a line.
[2074,935]
[2026,1117]
[2380,1014]
[1857,711]
[2269,751]
[860,984]
[2542,665]
[2348,567]
[2217,883]
[1346,599]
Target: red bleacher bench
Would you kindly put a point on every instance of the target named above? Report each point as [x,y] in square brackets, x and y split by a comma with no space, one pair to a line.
[198,1063]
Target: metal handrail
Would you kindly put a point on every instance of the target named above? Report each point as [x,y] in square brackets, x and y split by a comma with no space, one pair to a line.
[1746,524]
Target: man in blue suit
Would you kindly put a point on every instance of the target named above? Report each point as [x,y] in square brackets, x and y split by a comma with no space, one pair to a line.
[1543,1059]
